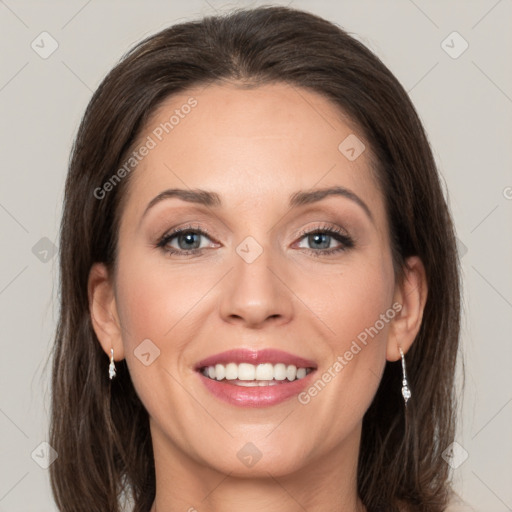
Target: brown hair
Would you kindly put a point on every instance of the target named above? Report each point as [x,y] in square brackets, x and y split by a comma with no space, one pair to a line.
[100,428]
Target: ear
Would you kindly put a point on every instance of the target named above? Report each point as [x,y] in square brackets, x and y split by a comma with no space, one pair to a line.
[411,294]
[103,310]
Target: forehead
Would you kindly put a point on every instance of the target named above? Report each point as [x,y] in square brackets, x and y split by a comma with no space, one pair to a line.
[250,145]
[227,115]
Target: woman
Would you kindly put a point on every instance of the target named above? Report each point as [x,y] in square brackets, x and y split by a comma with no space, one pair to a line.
[259,281]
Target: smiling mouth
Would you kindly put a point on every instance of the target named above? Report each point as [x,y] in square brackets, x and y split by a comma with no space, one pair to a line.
[250,375]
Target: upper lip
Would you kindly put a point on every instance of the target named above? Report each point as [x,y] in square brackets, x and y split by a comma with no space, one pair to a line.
[243,355]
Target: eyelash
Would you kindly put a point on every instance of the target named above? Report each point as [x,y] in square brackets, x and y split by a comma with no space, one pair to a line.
[339,235]
[346,241]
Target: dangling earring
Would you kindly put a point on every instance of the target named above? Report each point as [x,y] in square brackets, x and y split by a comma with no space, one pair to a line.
[406,392]
[112,366]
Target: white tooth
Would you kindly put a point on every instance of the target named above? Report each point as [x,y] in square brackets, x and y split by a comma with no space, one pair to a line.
[231,371]
[301,372]
[220,371]
[246,371]
[291,372]
[255,383]
[279,371]
[265,371]
[246,384]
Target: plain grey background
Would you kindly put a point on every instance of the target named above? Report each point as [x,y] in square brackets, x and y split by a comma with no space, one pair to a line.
[464,98]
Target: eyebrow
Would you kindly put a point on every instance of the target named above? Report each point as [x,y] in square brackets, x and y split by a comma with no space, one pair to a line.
[301,198]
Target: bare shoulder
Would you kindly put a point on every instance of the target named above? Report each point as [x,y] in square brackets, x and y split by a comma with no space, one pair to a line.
[457,504]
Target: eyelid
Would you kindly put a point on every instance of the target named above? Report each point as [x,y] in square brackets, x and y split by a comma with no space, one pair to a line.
[186,228]
[340,234]
[325,226]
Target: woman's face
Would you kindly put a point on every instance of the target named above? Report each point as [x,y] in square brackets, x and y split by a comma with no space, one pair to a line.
[255,282]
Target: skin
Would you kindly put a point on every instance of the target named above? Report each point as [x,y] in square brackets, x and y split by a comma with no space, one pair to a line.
[254,147]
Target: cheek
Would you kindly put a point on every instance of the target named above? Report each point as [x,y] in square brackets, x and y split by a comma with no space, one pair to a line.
[351,300]
[360,309]
[357,309]
[154,306]
[153,298]
[354,349]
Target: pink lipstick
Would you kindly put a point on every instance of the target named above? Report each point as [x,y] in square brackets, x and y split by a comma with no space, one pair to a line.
[260,378]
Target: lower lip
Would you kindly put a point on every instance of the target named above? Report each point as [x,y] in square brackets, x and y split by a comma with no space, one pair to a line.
[256,396]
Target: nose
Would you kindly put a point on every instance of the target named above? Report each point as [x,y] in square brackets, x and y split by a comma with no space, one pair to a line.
[257,293]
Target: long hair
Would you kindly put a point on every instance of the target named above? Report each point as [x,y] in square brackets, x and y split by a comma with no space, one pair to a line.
[100,429]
